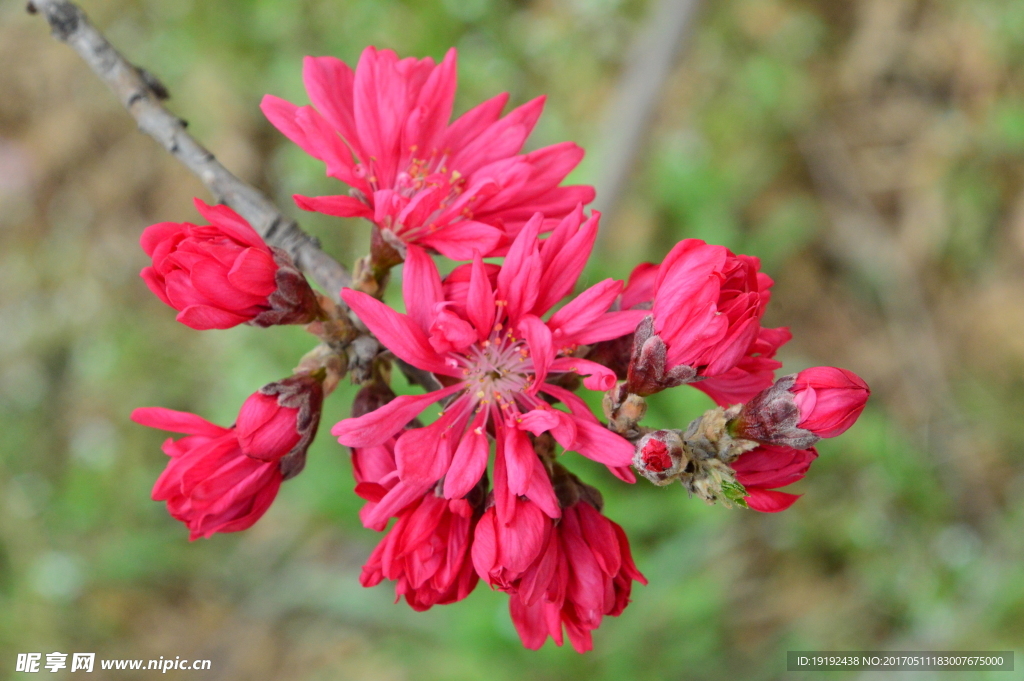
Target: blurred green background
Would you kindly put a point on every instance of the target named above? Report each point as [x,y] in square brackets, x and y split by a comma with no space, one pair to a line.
[869,151]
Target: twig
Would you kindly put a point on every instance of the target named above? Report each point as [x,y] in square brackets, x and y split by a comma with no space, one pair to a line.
[140,92]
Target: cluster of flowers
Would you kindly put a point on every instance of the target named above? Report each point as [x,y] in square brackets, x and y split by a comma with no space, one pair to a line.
[479,493]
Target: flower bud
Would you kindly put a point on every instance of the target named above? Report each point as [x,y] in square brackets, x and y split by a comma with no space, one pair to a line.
[829,399]
[802,408]
[279,422]
[649,371]
[660,457]
[655,456]
[223,274]
[427,552]
[209,483]
[706,306]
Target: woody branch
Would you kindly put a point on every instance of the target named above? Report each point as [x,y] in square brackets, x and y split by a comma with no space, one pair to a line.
[142,94]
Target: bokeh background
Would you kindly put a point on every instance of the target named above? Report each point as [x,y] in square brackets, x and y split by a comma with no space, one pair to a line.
[869,151]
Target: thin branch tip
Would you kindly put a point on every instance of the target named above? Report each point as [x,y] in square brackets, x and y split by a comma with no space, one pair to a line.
[141,92]
[64,19]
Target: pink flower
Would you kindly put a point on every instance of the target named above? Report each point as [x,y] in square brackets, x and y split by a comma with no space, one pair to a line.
[567,573]
[829,399]
[383,130]
[224,479]
[706,306]
[495,355]
[427,553]
[802,408]
[210,484]
[223,274]
[763,469]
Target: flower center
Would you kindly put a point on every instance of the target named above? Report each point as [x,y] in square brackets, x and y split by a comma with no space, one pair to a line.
[497,369]
[422,194]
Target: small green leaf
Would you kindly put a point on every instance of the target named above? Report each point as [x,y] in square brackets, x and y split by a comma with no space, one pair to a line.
[734,492]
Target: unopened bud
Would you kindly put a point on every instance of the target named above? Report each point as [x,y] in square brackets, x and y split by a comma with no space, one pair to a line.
[802,408]
[655,456]
[279,422]
[648,371]
[830,399]
[223,274]
[660,456]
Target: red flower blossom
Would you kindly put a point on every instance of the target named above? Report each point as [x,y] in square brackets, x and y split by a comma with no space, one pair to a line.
[768,467]
[706,306]
[383,130]
[494,353]
[210,484]
[224,479]
[427,553]
[223,274]
[567,573]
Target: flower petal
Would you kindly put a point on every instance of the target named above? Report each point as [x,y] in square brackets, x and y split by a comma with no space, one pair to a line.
[596,376]
[176,421]
[421,286]
[424,454]
[205,317]
[231,223]
[584,309]
[470,460]
[254,272]
[480,298]
[377,426]
[769,501]
[340,206]
[459,240]
[397,332]
[538,339]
